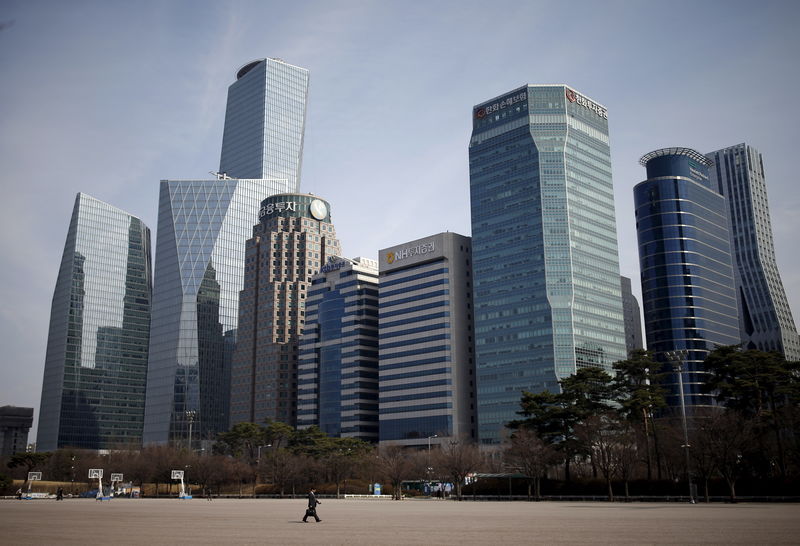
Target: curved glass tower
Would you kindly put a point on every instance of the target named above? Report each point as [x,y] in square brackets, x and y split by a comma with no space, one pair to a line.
[685,263]
[95,371]
[765,319]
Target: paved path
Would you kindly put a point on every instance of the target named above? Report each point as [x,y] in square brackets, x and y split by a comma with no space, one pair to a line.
[153,522]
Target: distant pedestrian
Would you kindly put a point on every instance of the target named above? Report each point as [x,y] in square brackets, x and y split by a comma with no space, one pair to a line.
[207,493]
[19,493]
[60,494]
[312,506]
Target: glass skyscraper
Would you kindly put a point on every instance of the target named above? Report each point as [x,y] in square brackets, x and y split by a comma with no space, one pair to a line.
[265,122]
[337,377]
[546,266]
[685,264]
[765,319]
[293,239]
[93,393]
[426,367]
[200,253]
[633,319]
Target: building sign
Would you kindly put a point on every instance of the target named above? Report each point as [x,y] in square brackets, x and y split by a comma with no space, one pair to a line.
[271,208]
[577,98]
[332,265]
[695,170]
[505,103]
[397,255]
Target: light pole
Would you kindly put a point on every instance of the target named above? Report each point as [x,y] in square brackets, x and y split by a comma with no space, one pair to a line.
[428,466]
[190,415]
[677,357]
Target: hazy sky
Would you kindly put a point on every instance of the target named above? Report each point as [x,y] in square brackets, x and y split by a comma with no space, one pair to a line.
[109,97]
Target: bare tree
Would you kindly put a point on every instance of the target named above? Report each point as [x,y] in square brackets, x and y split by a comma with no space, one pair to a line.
[533,456]
[396,466]
[731,438]
[459,459]
[608,442]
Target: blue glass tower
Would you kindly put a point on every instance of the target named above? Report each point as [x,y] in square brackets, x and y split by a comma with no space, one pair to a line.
[546,266]
[93,393]
[338,366]
[265,122]
[765,319]
[685,262]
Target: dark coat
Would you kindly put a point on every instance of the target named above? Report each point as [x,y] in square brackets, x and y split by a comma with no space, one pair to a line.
[312,500]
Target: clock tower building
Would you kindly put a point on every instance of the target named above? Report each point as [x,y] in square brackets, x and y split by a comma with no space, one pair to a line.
[293,239]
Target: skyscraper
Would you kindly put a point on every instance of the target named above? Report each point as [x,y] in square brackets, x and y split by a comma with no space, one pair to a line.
[685,264]
[93,393]
[545,261]
[14,426]
[265,122]
[426,369]
[633,319]
[337,378]
[200,266]
[765,319]
[293,239]
[202,226]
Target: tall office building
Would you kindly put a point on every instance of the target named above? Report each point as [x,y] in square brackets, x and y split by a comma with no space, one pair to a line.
[202,227]
[337,378]
[685,263]
[426,369]
[265,122]
[633,319]
[14,426]
[93,393]
[293,239]
[765,319]
[546,267]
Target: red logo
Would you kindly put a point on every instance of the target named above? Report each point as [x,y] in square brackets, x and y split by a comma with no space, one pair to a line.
[480,113]
[571,96]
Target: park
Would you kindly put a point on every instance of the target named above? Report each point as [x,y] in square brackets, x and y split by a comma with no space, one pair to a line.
[412,521]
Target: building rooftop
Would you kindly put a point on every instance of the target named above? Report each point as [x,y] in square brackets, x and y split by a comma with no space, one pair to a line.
[689,152]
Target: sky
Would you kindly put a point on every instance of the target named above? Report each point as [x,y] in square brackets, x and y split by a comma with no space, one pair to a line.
[110,97]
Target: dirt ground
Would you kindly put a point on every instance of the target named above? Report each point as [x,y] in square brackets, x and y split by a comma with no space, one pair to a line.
[369,522]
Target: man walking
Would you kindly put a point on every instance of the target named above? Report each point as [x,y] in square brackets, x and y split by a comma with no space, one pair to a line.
[312,506]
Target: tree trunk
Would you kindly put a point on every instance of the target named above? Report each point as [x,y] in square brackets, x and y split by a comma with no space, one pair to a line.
[647,446]
[538,486]
[610,490]
[529,490]
[657,451]
[732,487]
[705,490]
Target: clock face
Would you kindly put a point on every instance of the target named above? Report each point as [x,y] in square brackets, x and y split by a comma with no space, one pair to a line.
[318,209]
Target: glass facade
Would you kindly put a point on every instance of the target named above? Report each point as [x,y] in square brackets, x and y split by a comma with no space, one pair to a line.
[338,363]
[200,263]
[293,239]
[685,263]
[765,319]
[426,348]
[265,122]
[93,393]
[633,317]
[546,266]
